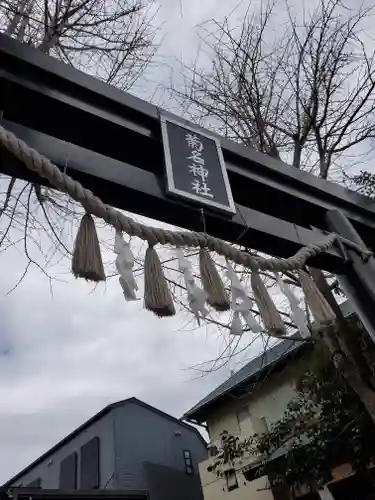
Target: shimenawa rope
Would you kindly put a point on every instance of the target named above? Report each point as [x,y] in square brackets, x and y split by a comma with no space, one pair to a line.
[87,261]
[45,168]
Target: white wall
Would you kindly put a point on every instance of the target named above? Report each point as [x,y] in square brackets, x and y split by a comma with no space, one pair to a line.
[215,488]
[268,400]
[272,401]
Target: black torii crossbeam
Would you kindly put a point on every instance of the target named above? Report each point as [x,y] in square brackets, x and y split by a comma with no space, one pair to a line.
[111,142]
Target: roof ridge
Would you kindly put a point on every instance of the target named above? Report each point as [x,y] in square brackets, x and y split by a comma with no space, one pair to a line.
[97,416]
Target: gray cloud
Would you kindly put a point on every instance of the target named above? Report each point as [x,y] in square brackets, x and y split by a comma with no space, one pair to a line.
[66,356]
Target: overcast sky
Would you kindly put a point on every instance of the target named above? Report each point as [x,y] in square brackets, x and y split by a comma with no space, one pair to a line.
[65,356]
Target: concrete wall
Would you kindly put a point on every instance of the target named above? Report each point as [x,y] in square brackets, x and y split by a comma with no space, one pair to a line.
[144,437]
[263,406]
[216,488]
[269,400]
[49,469]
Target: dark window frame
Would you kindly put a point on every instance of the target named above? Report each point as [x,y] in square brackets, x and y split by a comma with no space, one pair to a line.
[73,483]
[228,475]
[189,468]
[89,479]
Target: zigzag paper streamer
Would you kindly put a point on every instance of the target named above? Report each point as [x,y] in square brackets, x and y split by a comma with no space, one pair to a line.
[298,316]
[241,304]
[196,296]
[124,265]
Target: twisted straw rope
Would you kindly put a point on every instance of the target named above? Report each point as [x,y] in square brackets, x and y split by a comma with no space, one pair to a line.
[45,168]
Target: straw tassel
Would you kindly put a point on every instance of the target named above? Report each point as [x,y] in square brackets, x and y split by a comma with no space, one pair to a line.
[319,307]
[87,260]
[157,297]
[212,283]
[273,323]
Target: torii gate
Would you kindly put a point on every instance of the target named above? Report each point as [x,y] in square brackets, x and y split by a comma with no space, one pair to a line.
[115,148]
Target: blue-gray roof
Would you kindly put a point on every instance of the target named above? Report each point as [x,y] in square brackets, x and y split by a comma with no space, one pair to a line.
[246,373]
[253,369]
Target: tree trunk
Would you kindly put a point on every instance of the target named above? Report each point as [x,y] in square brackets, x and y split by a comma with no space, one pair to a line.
[347,360]
[349,342]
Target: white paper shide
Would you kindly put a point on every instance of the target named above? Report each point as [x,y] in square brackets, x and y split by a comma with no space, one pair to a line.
[196,296]
[124,265]
[241,306]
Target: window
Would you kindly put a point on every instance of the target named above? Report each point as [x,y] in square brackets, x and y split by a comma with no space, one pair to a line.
[213,450]
[68,472]
[260,425]
[243,418]
[89,474]
[231,479]
[264,423]
[188,463]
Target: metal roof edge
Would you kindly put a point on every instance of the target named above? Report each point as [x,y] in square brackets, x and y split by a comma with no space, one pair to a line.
[90,422]
[347,309]
[295,345]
